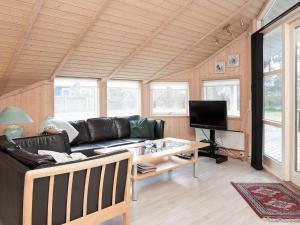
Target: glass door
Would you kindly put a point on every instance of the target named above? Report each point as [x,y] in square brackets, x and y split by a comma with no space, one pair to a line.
[272,107]
[296,154]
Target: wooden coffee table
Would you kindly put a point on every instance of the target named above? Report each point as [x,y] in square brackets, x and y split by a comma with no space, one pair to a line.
[165,159]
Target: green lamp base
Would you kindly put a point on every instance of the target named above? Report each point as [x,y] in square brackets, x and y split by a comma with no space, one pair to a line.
[13,132]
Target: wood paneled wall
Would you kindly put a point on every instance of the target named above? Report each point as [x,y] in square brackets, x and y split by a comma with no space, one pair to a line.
[179,126]
[36,100]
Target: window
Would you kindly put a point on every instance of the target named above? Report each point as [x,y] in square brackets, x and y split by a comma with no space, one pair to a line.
[272,98]
[272,51]
[228,90]
[272,142]
[123,98]
[275,8]
[169,98]
[75,98]
[272,95]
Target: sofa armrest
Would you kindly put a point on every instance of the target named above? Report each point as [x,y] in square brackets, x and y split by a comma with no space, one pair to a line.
[52,142]
[12,175]
[159,129]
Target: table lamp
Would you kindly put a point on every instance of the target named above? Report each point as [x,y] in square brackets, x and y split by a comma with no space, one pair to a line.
[13,116]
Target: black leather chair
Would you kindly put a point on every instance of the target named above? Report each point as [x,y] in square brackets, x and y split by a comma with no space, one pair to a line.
[25,192]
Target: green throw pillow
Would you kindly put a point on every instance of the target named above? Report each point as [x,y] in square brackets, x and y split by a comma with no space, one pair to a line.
[141,128]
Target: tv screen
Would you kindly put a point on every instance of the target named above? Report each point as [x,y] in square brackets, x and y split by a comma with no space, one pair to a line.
[208,114]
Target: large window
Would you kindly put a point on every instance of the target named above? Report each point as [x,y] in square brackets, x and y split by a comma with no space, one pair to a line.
[272,95]
[75,98]
[169,98]
[228,90]
[123,98]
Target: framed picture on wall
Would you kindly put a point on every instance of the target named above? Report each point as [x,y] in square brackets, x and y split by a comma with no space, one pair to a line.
[233,60]
[220,67]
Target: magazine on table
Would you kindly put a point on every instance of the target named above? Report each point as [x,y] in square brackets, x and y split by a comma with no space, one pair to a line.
[146,168]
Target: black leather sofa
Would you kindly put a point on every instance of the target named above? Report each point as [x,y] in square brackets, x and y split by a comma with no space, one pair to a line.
[94,133]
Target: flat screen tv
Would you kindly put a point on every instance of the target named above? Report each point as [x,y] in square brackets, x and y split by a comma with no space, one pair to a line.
[208,114]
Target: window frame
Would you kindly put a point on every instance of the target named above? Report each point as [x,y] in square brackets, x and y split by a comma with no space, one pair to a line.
[97,96]
[139,100]
[186,114]
[265,10]
[225,79]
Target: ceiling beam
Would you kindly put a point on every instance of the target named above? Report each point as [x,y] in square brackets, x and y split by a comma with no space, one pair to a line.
[159,29]
[80,37]
[21,43]
[193,45]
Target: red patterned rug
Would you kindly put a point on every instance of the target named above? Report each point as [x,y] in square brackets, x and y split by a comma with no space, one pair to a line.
[270,200]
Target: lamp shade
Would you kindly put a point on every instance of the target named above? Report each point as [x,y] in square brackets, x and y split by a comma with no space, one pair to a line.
[13,115]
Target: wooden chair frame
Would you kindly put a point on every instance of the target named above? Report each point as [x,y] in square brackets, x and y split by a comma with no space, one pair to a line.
[95,218]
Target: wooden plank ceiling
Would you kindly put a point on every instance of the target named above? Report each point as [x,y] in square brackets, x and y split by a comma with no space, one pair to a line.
[113,39]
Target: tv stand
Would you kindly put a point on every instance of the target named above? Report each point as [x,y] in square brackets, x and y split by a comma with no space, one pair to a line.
[210,151]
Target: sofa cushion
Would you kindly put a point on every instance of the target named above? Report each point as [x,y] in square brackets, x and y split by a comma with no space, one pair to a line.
[133,117]
[123,127]
[92,157]
[31,160]
[6,143]
[85,147]
[113,143]
[52,142]
[83,136]
[151,126]
[102,129]
[141,129]
[159,129]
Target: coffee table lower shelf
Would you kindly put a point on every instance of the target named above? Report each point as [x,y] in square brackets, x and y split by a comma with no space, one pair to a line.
[164,165]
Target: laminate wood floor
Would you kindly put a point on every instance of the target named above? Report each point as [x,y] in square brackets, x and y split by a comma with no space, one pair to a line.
[179,199]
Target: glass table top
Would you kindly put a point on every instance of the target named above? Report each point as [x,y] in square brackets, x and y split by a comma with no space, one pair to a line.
[148,148]
[149,151]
